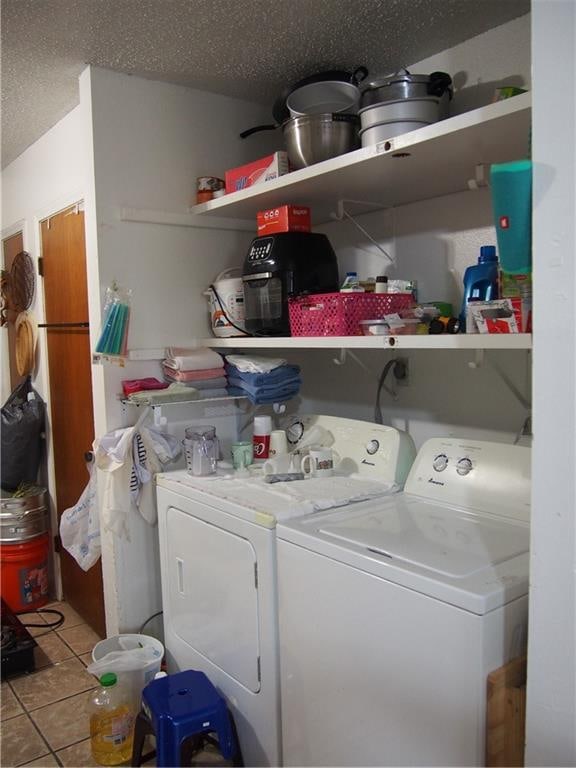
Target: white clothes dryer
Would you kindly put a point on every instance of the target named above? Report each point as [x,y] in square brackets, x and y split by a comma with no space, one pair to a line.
[393,612]
[218,565]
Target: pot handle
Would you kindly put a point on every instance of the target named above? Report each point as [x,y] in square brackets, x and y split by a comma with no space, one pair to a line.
[359,74]
[439,83]
[257,129]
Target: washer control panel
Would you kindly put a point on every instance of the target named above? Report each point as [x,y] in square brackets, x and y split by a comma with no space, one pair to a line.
[479,475]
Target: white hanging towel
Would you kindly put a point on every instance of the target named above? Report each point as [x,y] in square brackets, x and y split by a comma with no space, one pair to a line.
[130,459]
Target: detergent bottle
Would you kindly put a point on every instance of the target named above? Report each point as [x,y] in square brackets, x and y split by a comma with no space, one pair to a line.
[480,280]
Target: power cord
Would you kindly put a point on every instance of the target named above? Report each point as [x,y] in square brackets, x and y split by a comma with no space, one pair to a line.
[399,369]
[49,627]
[154,615]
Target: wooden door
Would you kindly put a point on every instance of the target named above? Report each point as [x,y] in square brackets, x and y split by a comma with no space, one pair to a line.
[11,247]
[69,365]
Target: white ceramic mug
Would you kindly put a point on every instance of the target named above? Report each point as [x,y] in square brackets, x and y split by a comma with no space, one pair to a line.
[281,464]
[278,443]
[319,462]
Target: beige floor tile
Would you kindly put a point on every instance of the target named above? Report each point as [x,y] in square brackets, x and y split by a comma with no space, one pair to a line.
[33,618]
[86,658]
[9,703]
[77,756]
[50,650]
[48,761]
[21,742]
[71,618]
[63,679]
[65,722]
[81,638]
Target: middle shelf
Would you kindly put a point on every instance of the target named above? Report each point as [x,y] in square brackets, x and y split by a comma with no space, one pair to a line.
[413,341]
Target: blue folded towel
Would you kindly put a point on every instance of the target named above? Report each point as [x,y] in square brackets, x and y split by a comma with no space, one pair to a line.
[290,384]
[266,396]
[277,376]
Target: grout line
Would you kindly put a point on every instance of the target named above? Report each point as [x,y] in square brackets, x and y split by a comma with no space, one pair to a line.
[41,736]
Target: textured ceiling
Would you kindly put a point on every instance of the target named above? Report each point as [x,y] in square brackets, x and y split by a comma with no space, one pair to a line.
[246,48]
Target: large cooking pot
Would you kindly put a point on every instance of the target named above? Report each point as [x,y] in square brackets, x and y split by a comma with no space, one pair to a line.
[404,85]
[311,139]
[281,111]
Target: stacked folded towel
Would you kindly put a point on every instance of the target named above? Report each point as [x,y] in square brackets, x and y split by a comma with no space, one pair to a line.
[270,386]
[201,368]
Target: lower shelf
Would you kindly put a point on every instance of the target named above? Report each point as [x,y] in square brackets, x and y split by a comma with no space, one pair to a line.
[198,401]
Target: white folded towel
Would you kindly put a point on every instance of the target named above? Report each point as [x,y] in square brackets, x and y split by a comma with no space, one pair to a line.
[251,364]
[200,359]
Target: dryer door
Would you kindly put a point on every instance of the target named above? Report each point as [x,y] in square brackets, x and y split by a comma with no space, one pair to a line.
[212,590]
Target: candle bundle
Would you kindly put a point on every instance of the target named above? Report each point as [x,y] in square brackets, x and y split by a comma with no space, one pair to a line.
[114,336]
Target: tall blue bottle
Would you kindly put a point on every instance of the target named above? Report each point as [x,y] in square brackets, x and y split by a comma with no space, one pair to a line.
[480,280]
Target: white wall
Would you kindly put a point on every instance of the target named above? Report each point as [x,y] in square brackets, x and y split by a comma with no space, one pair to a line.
[150,142]
[48,177]
[551,704]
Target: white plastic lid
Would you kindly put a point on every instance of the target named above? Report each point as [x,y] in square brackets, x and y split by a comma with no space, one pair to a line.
[262,425]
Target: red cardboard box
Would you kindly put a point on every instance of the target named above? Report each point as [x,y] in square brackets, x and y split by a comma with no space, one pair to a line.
[285,218]
[518,288]
[264,169]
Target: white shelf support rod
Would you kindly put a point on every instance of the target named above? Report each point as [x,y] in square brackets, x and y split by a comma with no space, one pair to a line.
[480,178]
[341,213]
[481,356]
[159,420]
[524,402]
[478,361]
[341,360]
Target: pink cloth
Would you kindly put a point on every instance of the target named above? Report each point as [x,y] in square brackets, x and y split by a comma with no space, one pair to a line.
[208,373]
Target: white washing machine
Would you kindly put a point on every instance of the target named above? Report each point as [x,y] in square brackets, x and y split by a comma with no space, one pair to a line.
[218,565]
[393,612]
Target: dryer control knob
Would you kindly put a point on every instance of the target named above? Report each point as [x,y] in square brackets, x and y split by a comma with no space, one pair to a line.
[440,462]
[464,466]
[372,446]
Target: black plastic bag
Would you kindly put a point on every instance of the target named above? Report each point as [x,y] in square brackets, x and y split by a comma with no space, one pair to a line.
[22,436]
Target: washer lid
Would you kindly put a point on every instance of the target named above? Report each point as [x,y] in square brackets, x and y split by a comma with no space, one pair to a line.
[449,543]
[473,561]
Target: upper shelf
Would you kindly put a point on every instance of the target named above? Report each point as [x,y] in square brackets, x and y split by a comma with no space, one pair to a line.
[436,160]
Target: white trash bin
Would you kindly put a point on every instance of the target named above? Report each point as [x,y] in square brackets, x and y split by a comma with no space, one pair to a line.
[132,671]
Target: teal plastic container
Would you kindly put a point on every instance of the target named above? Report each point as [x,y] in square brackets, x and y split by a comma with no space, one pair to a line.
[480,281]
[511,187]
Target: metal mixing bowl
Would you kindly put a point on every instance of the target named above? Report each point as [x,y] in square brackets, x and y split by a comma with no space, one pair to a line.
[313,138]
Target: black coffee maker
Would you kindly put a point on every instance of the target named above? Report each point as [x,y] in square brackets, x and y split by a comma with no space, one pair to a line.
[281,266]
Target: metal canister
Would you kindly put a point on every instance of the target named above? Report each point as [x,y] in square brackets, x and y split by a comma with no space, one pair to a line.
[23,517]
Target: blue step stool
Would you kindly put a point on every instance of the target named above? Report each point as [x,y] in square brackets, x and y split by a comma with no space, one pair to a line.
[178,707]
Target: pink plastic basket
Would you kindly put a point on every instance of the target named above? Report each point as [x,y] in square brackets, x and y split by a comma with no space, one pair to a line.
[339,314]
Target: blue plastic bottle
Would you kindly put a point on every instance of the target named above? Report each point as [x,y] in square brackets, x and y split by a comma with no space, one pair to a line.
[480,280]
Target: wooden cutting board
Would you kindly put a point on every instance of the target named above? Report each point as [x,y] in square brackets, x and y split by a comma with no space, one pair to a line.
[506,714]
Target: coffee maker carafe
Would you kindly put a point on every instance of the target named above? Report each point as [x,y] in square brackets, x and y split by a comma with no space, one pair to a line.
[280,266]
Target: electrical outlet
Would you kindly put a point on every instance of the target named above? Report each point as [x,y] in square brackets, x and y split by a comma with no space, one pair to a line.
[401,371]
